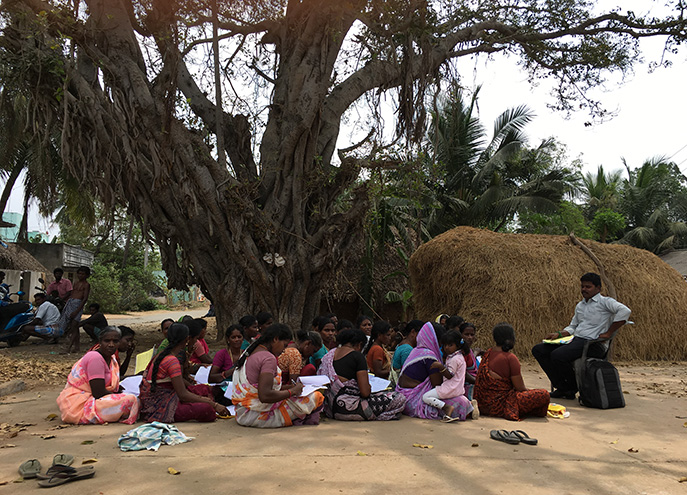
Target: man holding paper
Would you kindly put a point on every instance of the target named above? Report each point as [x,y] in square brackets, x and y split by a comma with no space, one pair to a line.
[596,317]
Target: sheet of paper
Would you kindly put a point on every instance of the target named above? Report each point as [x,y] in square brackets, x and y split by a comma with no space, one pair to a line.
[142,360]
[563,340]
[309,389]
[377,384]
[203,376]
[131,384]
[316,380]
[232,409]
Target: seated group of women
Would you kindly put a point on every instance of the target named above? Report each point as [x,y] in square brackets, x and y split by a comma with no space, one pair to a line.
[429,383]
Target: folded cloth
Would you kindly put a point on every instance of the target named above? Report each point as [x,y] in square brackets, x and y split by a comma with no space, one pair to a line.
[150,436]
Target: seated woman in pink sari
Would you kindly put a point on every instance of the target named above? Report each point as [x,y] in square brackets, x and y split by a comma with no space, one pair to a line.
[421,373]
[91,395]
[258,394]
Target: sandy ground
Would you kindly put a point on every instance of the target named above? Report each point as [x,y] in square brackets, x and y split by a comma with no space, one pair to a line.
[639,449]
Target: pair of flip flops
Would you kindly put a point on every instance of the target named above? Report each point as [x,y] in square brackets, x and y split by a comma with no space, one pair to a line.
[58,474]
[512,437]
[32,468]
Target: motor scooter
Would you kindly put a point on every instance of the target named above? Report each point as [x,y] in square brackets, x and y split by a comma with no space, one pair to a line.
[12,317]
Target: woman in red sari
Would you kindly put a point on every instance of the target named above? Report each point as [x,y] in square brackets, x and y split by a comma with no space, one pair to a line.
[500,389]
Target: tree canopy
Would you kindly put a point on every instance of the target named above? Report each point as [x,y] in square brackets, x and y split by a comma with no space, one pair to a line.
[216,123]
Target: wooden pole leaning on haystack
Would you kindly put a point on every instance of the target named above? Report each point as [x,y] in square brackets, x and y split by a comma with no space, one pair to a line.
[597,262]
[602,274]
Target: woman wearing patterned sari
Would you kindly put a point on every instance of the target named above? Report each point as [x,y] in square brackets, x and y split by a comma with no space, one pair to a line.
[260,399]
[421,373]
[91,394]
[500,389]
[350,396]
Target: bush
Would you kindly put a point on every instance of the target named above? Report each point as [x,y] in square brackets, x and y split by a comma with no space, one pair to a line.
[149,305]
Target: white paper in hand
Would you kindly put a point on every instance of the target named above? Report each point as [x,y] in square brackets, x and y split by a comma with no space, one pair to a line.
[132,384]
[377,384]
[315,381]
[203,375]
[227,394]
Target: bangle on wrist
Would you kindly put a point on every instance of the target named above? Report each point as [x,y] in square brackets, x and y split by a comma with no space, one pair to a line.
[290,393]
[560,334]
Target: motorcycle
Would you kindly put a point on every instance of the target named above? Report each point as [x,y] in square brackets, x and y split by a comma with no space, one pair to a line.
[12,317]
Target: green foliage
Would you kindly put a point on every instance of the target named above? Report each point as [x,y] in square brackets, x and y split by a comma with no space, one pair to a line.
[568,218]
[105,287]
[607,223]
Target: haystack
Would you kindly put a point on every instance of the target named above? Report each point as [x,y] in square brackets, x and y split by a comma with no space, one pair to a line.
[532,282]
[13,257]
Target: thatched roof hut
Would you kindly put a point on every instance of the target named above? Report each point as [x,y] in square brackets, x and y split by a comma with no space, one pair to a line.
[532,282]
[14,257]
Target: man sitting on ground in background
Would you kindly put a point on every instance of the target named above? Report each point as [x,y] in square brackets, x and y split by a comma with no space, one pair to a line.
[596,317]
[44,325]
[95,323]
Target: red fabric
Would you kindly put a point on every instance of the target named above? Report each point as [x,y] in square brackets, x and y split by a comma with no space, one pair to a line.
[200,349]
[504,364]
[308,370]
[199,411]
[169,368]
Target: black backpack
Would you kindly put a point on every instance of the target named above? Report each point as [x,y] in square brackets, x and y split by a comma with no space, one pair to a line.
[600,385]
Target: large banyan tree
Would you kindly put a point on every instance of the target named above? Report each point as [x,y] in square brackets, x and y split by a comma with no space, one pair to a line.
[216,121]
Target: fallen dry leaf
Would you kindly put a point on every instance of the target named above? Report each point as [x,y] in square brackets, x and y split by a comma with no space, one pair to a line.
[614,442]
[360,452]
[474,445]
[682,480]
[632,449]
[3,483]
[51,417]
[88,442]
[89,461]
[422,446]
[7,446]
[173,471]
[684,425]
[47,437]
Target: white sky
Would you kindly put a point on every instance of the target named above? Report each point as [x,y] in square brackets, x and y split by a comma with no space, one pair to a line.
[651,110]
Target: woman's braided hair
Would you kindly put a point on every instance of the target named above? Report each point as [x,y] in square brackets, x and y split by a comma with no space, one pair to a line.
[176,334]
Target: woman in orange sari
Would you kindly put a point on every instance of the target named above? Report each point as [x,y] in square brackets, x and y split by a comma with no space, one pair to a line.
[91,395]
[499,387]
[258,394]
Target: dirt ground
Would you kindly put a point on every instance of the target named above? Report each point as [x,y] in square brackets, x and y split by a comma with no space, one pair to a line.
[640,449]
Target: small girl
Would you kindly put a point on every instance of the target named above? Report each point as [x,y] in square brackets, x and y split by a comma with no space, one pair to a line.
[468,330]
[453,372]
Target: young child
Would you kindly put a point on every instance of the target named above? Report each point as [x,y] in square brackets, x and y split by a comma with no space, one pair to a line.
[73,308]
[453,372]
[469,335]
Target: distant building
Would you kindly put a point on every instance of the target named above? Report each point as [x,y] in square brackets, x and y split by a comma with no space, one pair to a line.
[66,256]
[10,234]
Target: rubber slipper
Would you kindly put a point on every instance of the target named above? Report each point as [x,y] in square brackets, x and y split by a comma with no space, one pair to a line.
[449,419]
[57,468]
[63,460]
[504,436]
[63,477]
[30,469]
[524,437]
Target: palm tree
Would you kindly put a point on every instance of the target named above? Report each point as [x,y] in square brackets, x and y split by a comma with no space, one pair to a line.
[654,201]
[486,182]
[601,190]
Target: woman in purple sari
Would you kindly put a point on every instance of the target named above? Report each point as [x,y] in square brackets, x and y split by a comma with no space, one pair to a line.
[419,376]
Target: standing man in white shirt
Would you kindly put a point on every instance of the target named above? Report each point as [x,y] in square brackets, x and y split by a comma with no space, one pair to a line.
[44,325]
[596,317]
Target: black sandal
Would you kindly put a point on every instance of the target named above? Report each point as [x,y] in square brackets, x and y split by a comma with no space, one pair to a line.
[504,436]
[524,437]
